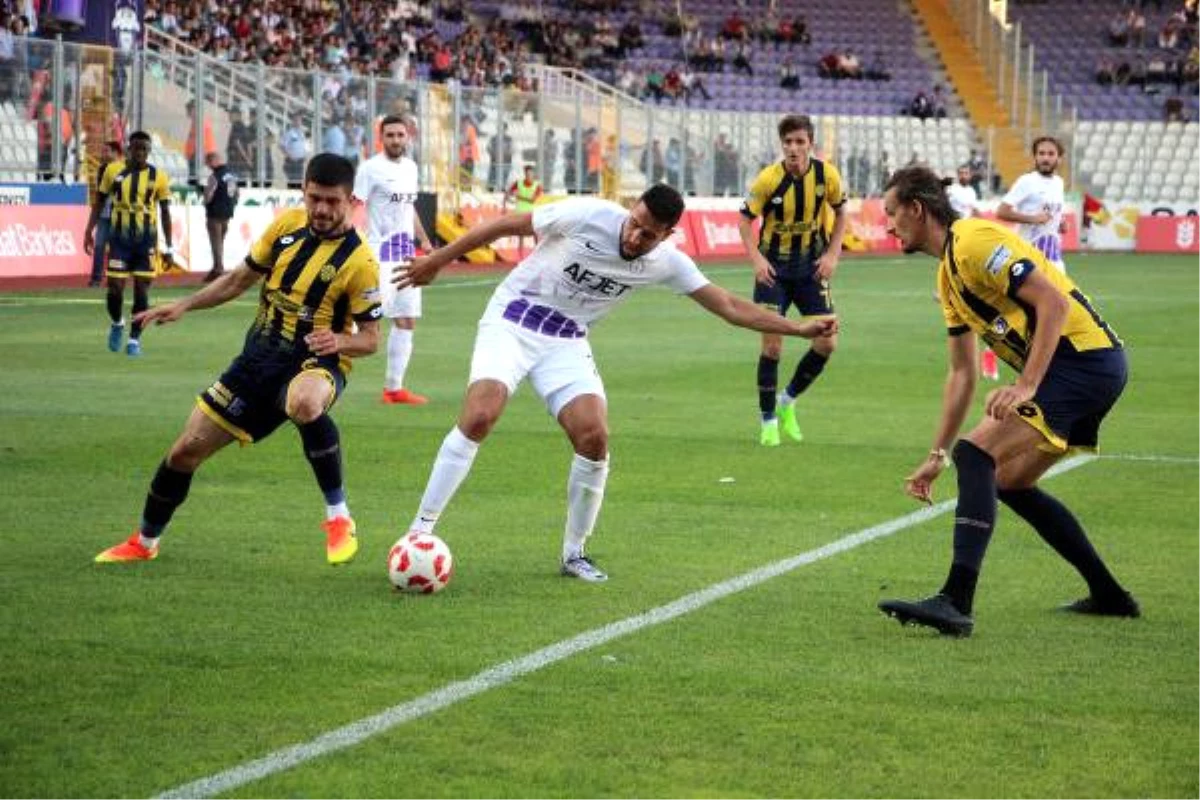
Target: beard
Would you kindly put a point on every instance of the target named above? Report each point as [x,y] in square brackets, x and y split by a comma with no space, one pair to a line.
[1046,171]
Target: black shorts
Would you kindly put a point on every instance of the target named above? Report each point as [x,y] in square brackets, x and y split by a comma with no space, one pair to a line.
[808,293]
[249,399]
[1077,393]
[130,257]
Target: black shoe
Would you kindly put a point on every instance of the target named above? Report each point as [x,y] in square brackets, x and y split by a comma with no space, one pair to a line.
[934,612]
[213,275]
[1117,605]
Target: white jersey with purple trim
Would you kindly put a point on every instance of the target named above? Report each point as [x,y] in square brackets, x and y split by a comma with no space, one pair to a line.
[576,274]
[389,190]
[1032,193]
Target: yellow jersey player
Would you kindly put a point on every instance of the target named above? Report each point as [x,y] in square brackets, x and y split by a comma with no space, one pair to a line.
[1071,370]
[318,308]
[140,198]
[800,201]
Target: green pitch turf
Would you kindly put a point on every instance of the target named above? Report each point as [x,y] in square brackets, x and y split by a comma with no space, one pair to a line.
[239,640]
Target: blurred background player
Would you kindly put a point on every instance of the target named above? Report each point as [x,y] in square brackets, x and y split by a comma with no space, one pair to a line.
[140,199]
[111,152]
[965,202]
[794,261]
[525,193]
[291,367]
[387,184]
[220,198]
[1036,202]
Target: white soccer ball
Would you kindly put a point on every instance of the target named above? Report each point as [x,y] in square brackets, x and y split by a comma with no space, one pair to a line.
[420,563]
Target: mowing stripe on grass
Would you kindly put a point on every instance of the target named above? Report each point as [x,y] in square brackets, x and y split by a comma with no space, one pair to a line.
[501,674]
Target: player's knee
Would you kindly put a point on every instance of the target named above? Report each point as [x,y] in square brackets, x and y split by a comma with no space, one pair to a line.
[772,350]
[591,441]
[187,454]
[477,423]
[303,409]
[825,345]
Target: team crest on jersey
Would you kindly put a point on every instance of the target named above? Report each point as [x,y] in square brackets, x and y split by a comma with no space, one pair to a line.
[997,259]
[820,192]
[1000,326]
[776,200]
[286,240]
[327,273]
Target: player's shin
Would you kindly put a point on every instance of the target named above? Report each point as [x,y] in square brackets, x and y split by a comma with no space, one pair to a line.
[974,520]
[168,490]
[450,469]
[585,494]
[323,449]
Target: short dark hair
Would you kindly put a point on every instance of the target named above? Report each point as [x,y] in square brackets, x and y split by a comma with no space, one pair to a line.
[664,203]
[796,122]
[922,185]
[393,119]
[139,136]
[330,169]
[1039,140]
[115,146]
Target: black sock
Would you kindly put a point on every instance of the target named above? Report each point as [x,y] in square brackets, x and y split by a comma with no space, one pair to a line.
[114,299]
[974,519]
[168,490]
[323,449]
[768,384]
[1059,528]
[806,372]
[141,301]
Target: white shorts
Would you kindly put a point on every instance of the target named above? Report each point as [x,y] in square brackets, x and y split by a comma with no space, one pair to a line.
[558,369]
[397,302]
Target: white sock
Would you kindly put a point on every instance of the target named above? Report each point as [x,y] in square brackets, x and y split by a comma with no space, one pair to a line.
[399,351]
[585,493]
[337,510]
[146,542]
[450,469]
[786,399]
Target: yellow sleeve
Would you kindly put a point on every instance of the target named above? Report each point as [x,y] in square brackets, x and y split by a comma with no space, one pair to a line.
[834,194]
[107,178]
[756,200]
[261,257]
[162,189]
[363,286]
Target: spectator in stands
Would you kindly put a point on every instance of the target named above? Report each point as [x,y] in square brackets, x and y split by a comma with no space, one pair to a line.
[789,78]
[830,65]
[1137,28]
[1118,30]
[629,81]
[1106,71]
[240,145]
[734,28]
[1190,71]
[630,37]
[725,167]
[877,69]
[800,34]
[1122,72]
[716,54]
[1173,110]
[468,152]
[1156,68]
[1137,72]
[653,163]
[939,102]
[784,31]
[692,84]
[741,57]
[441,68]
[673,84]
[1169,36]
[920,106]
[8,71]
[849,65]
[654,83]
[294,144]
[334,138]
[978,167]
[356,139]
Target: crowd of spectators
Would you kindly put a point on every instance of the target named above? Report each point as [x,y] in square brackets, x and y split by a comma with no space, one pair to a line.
[1152,61]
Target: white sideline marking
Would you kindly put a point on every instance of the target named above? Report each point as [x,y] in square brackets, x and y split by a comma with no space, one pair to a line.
[501,674]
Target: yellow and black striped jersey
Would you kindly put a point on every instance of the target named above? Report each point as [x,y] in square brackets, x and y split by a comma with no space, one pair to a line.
[795,210]
[135,195]
[982,269]
[312,282]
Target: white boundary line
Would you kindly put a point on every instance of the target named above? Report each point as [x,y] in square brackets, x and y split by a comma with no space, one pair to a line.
[507,672]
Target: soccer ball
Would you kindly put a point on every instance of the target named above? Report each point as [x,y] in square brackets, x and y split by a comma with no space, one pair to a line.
[420,563]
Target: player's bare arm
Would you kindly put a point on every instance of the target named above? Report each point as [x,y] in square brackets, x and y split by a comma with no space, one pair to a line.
[764,273]
[422,271]
[1009,214]
[741,312]
[222,290]
[827,263]
[363,341]
[89,238]
[1050,308]
[956,400]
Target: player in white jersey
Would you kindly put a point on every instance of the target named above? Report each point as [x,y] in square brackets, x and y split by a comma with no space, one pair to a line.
[387,184]
[1035,201]
[591,255]
[965,202]
[963,198]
